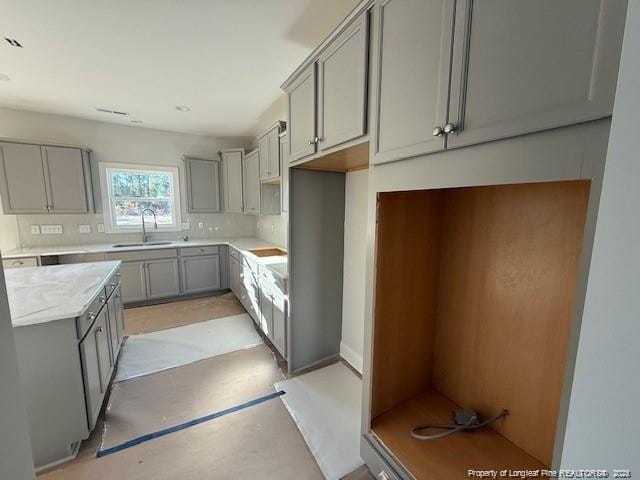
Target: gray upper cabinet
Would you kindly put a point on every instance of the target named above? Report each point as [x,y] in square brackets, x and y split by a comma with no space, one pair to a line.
[302,115]
[342,80]
[44,179]
[269,148]
[251,183]
[523,66]
[23,179]
[413,57]
[232,167]
[284,159]
[203,185]
[65,175]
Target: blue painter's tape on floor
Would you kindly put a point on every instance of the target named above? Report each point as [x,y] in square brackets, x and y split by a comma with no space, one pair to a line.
[182,426]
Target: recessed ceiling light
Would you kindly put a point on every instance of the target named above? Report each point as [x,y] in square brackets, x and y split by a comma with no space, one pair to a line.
[13,42]
[183,108]
[136,121]
[4,78]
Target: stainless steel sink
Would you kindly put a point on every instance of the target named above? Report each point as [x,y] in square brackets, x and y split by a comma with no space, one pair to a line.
[147,244]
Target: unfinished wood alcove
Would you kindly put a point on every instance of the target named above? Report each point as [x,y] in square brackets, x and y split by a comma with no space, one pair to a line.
[474,295]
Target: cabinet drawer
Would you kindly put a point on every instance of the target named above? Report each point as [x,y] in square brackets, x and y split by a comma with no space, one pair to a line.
[192,251]
[84,322]
[134,255]
[20,262]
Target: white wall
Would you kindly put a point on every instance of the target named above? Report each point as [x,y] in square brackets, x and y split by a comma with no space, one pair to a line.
[603,426]
[114,143]
[355,259]
[16,462]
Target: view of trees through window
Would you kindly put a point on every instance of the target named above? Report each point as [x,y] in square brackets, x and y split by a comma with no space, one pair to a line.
[135,191]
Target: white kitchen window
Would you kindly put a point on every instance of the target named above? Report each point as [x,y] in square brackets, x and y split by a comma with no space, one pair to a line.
[129,189]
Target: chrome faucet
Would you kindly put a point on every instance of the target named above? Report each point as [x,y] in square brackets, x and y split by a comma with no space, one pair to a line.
[145,235]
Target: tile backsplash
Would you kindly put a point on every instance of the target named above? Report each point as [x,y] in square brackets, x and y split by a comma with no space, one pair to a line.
[213,225]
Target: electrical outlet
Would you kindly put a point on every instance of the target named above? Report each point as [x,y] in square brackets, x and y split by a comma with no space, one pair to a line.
[100,227]
[51,229]
[186,226]
[35,229]
[200,225]
[84,228]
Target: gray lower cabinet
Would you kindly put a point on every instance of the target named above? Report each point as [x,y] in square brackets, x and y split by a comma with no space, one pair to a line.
[44,179]
[251,183]
[234,276]
[133,282]
[200,273]
[162,278]
[273,309]
[203,185]
[342,86]
[65,370]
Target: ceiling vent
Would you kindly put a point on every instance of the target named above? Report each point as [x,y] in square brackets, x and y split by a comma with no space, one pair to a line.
[113,112]
[13,42]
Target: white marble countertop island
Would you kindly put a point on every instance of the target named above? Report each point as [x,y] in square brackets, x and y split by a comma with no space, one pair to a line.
[43,294]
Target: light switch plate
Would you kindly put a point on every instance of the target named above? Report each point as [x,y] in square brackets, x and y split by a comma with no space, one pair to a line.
[35,229]
[84,228]
[100,227]
[51,229]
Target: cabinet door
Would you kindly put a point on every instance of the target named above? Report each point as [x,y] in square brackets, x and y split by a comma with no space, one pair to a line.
[251,183]
[103,346]
[162,278]
[265,316]
[234,279]
[265,162]
[200,274]
[274,153]
[523,66]
[413,58]
[65,175]
[342,80]
[284,162]
[232,165]
[279,323]
[203,185]
[117,304]
[302,115]
[133,282]
[22,179]
[91,374]
[113,327]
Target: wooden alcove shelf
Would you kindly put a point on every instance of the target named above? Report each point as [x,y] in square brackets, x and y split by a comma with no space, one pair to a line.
[474,293]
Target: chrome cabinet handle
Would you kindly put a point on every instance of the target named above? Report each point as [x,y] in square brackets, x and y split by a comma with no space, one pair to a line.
[312,141]
[318,140]
[91,316]
[450,128]
[99,329]
[102,298]
[437,132]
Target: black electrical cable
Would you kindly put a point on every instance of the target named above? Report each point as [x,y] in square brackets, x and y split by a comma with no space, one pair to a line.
[471,424]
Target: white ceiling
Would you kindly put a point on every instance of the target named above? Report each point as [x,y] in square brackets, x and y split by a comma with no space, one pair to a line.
[225,59]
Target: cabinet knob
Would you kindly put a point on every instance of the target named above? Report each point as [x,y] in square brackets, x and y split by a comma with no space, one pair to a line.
[102,298]
[112,285]
[312,141]
[437,132]
[450,128]
[91,316]
[99,329]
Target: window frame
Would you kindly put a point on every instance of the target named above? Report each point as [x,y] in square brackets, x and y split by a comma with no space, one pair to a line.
[108,203]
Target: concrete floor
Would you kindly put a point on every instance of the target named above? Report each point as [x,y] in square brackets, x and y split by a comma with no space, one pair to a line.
[259,442]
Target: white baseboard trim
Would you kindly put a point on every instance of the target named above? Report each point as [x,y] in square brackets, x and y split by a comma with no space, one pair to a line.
[351,357]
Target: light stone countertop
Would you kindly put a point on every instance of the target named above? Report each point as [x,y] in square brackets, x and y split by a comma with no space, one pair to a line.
[43,294]
[243,244]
